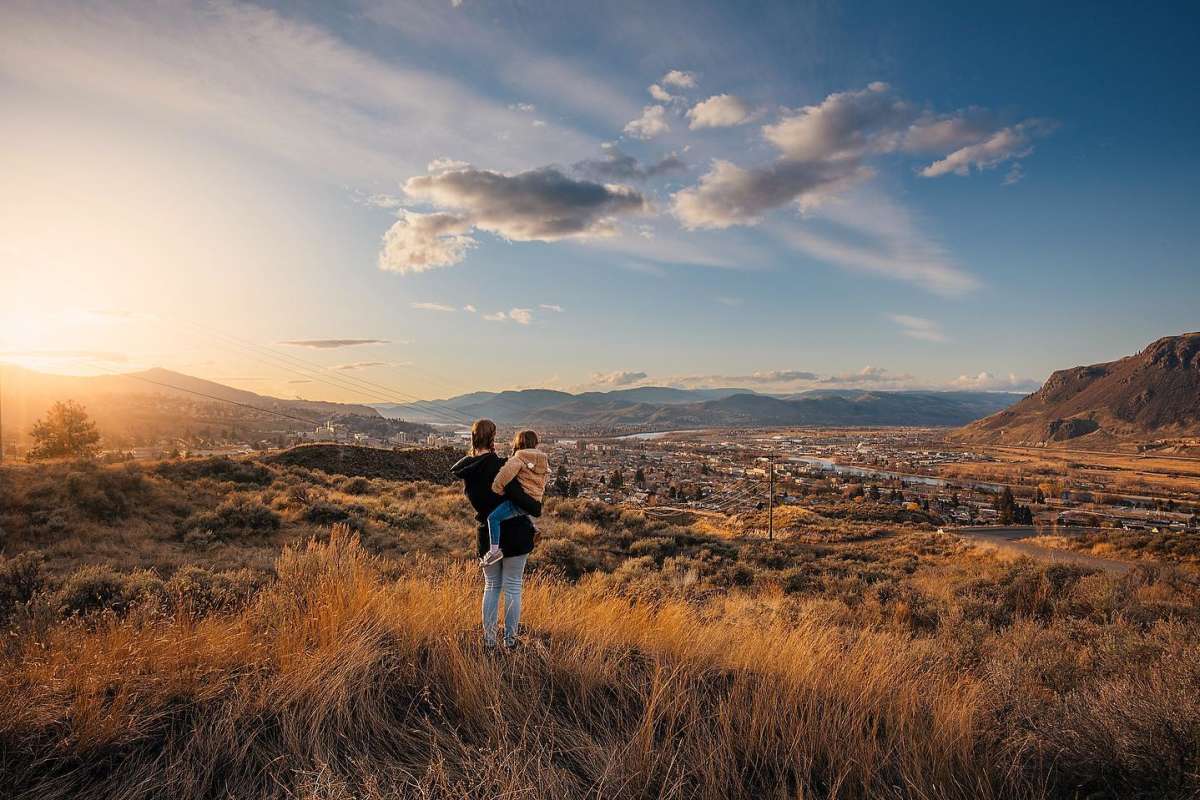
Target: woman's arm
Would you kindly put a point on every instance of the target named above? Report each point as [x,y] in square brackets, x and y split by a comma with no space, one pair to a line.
[506,474]
[515,493]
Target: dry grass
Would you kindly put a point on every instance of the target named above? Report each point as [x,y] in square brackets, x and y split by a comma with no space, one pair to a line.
[337,683]
[659,661]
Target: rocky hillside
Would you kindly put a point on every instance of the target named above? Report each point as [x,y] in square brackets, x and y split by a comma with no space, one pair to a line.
[1151,396]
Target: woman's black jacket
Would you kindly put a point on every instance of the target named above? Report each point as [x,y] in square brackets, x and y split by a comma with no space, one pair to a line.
[477,474]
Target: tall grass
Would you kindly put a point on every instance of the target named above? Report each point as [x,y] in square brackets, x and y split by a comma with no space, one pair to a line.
[337,683]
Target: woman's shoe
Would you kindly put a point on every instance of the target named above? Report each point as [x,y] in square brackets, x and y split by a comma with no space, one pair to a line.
[490,557]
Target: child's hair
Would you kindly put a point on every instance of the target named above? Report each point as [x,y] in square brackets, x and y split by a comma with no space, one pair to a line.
[524,440]
[483,436]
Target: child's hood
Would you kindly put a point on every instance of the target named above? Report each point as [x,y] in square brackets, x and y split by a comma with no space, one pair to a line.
[536,460]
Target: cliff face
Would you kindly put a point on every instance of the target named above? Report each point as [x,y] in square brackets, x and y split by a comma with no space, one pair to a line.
[1152,395]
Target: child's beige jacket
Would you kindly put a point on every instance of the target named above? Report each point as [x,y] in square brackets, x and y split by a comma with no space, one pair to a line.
[530,467]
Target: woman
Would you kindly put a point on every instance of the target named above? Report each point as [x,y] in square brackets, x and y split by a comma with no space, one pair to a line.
[477,471]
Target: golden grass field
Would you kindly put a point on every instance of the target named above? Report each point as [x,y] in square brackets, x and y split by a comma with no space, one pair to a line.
[658,660]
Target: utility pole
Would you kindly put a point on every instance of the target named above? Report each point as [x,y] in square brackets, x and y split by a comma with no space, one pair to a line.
[771,502]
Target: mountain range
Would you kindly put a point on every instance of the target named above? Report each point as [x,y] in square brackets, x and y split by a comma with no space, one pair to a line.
[657,407]
[1153,395]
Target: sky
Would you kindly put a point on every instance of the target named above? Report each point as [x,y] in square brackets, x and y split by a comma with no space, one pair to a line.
[439,197]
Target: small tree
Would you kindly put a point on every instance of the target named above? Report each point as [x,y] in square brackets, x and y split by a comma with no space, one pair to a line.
[1007,507]
[65,432]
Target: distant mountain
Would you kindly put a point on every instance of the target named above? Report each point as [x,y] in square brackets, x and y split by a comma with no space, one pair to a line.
[1152,395]
[156,402]
[669,408]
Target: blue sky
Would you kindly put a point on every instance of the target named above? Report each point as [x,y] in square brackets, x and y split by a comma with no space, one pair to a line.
[774,195]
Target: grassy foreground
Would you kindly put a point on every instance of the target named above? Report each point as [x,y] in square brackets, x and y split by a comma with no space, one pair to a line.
[195,630]
[337,683]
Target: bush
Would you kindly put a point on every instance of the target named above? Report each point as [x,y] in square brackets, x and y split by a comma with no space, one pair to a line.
[90,589]
[104,493]
[200,591]
[234,516]
[327,513]
[219,468]
[21,577]
[565,558]
[356,485]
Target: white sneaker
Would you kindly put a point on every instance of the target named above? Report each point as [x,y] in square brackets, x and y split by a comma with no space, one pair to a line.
[490,557]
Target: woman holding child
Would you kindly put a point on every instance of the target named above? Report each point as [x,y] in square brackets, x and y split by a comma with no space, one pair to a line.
[505,493]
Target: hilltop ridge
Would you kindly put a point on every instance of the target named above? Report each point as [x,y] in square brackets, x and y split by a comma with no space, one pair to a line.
[1151,395]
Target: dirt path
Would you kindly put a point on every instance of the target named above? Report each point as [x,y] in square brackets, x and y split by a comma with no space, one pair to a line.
[1006,539]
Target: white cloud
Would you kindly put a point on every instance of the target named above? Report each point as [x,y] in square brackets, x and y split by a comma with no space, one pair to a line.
[1004,145]
[433,307]
[918,327]
[843,125]
[619,378]
[528,108]
[729,195]
[536,205]
[470,309]
[823,150]
[420,242]
[868,376]
[551,307]
[679,79]
[660,94]
[989,382]
[652,123]
[445,165]
[619,166]
[719,111]
[521,316]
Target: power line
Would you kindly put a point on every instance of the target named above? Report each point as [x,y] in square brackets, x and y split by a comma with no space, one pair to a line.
[312,370]
[144,379]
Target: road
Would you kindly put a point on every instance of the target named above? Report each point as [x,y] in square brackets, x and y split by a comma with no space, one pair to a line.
[1006,539]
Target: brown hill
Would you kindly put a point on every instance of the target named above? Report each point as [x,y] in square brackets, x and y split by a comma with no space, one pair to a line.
[144,406]
[422,464]
[1154,395]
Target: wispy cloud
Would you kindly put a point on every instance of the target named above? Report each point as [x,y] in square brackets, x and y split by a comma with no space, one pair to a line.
[355,365]
[226,68]
[521,316]
[990,382]
[330,344]
[551,307]
[926,330]
[433,307]
[618,378]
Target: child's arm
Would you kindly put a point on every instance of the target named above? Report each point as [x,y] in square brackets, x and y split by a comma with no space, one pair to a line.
[506,474]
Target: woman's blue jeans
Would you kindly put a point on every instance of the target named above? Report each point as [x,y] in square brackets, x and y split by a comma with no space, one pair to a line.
[505,576]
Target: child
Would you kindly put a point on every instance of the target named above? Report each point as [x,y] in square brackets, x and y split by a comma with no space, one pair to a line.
[531,467]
